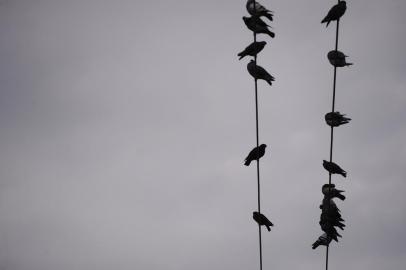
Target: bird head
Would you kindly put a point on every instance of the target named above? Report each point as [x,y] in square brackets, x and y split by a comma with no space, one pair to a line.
[245,19]
[343,3]
[324,161]
[263,146]
[328,186]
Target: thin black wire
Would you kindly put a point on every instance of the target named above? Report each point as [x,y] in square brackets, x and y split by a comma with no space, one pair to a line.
[257,139]
[332,128]
[258,175]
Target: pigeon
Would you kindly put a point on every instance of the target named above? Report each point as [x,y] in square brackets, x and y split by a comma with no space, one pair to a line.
[255,154]
[330,231]
[253,49]
[338,59]
[256,9]
[323,240]
[326,220]
[333,168]
[335,119]
[330,192]
[262,220]
[335,12]
[257,25]
[259,73]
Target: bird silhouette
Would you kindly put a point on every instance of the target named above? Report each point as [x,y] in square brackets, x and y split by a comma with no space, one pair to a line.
[259,73]
[323,240]
[253,49]
[258,26]
[338,59]
[262,220]
[335,119]
[333,168]
[255,154]
[335,12]
[256,9]
[331,192]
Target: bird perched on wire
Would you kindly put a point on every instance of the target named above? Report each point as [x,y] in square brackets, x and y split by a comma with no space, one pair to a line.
[330,191]
[335,12]
[333,168]
[255,154]
[259,73]
[256,9]
[323,240]
[338,59]
[253,49]
[262,220]
[258,26]
[335,119]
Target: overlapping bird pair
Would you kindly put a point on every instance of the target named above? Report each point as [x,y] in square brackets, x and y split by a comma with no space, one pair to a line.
[330,217]
[257,26]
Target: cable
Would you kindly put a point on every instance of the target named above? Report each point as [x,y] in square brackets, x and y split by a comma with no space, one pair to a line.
[257,140]
[332,128]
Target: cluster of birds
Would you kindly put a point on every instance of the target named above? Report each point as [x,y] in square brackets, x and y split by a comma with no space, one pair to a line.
[330,217]
[257,25]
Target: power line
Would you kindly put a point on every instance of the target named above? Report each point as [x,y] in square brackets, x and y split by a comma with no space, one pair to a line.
[332,127]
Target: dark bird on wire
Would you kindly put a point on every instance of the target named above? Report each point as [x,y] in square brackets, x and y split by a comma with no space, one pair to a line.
[331,192]
[335,119]
[324,240]
[259,72]
[259,10]
[255,154]
[257,25]
[338,59]
[262,220]
[253,49]
[335,12]
[333,168]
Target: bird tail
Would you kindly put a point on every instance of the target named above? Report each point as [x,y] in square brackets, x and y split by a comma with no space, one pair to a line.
[341,197]
[247,162]
[315,244]
[349,64]
[344,173]
[269,16]
[328,22]
[241,55]
[268,228]
[269,81]
[271,34]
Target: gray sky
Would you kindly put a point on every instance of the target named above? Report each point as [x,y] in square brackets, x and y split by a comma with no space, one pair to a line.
[124,125]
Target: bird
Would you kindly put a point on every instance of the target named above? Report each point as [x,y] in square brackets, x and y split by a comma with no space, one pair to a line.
[330,231]
[253,49]
[256,9]
[258,26]
[255,154]
[262,220]
[323,240]
[335,12]
[259,73]
[331,192]
[338,59]
[333,168]
[335,119]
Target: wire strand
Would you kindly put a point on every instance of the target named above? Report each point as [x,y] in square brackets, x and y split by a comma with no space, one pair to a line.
[257,141]
[332,128]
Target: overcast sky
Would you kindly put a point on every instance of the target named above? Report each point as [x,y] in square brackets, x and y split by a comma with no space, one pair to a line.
[124,126]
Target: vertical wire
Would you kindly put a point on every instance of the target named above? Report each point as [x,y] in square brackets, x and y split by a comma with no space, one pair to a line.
[332,128]
[257,141]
